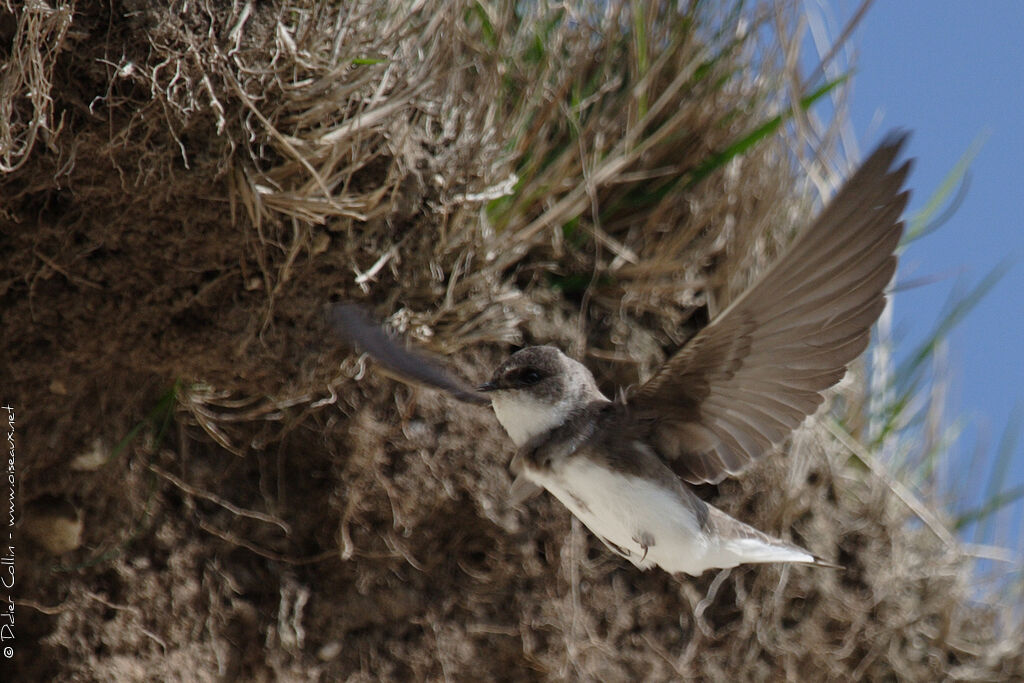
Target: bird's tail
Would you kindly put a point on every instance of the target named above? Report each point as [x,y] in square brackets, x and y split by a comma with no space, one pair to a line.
[739,543]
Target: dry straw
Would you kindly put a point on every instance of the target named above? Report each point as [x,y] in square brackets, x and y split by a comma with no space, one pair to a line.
[184,186]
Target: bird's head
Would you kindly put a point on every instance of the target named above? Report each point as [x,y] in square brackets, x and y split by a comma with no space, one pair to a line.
[537,389]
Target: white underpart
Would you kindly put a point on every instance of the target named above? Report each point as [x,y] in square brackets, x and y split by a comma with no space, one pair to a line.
[626,510]
[524,419]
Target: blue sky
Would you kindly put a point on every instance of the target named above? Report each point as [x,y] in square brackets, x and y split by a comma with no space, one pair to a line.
[951,72]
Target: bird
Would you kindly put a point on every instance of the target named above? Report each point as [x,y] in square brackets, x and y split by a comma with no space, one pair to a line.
[625,467]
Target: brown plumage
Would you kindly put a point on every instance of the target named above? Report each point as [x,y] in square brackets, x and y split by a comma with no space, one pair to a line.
[745,381]
[354,325]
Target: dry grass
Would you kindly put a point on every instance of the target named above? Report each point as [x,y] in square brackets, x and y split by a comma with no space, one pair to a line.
[210,176]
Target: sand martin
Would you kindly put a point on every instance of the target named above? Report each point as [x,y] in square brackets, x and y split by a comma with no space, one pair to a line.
[735,390]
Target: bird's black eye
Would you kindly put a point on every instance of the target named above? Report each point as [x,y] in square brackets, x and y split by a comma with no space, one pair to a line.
[529,376]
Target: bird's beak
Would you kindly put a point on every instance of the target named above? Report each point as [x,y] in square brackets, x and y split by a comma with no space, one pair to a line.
[487,386]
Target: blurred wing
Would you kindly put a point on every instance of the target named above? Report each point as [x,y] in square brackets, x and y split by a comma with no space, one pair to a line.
[745,381]
[356,327]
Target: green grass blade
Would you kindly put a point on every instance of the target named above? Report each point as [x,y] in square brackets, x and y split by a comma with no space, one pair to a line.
[957,312]
[995,497]
[487,31]
[640,49]
[986,511]
[159,418]
[758,134]
[928,218]
[909,376]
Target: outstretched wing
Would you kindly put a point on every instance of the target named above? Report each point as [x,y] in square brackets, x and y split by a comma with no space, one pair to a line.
[353,324]
[745,381]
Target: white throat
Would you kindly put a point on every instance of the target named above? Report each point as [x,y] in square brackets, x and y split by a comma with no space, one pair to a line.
[524,418]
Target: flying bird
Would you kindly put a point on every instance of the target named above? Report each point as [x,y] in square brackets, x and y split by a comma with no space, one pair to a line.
[739,387]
